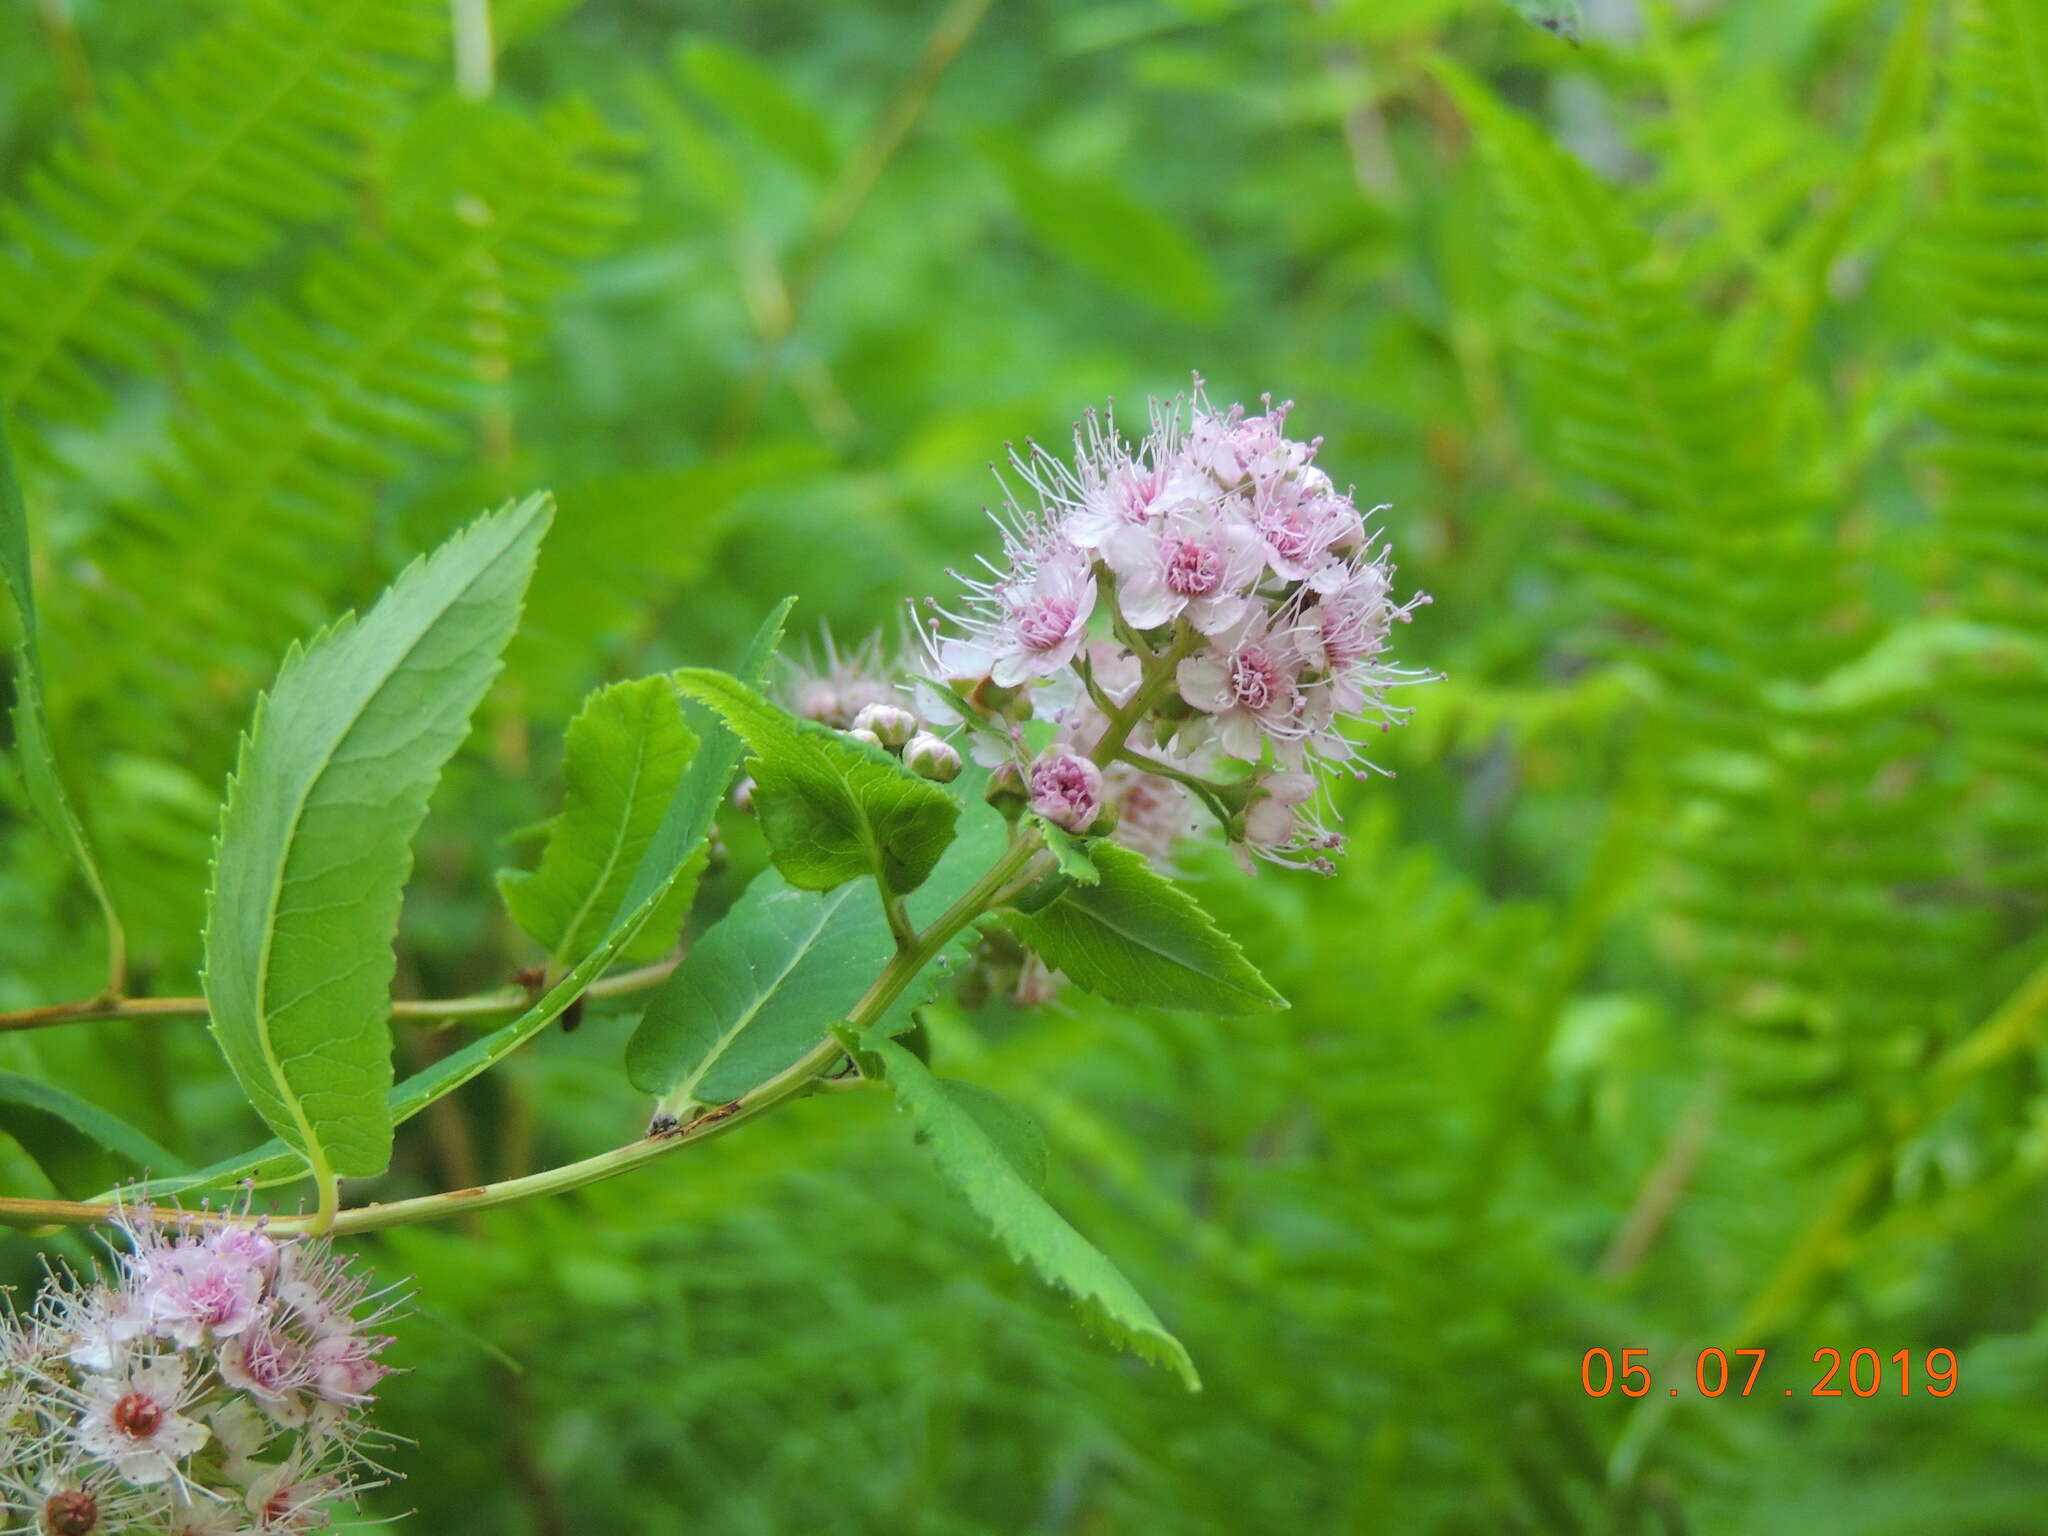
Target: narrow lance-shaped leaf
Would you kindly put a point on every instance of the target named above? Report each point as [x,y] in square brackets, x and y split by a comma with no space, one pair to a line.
[316,838]
[623,757]
[1136,937]
[831,808]
[770,977]
[80,1146]
[31,720]
[980,1166]
[681,834]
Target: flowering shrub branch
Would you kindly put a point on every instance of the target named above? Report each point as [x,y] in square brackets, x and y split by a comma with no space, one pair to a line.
[1173,644]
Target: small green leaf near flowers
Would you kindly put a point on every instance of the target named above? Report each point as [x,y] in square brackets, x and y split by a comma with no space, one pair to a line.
[831,808]
[622,758]
[1136,937]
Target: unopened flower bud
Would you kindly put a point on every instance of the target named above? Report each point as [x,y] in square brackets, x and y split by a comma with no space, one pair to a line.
[930,758]
[743,794]
[890,724]
[1006,790]
[1066,789]
[71,1512]
[868,737]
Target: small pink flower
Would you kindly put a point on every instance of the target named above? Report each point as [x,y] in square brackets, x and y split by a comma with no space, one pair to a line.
[1114,497]
[270,1364]
[344,1368]
[1066,789]
[1152,814]
[1238,450]
[1045,618]
[1353,617]
[1203,563]
[1306,528]
[291,1498]
[1282,826]
[1252,691]
[208,1286]
[831,686]
[133,1419]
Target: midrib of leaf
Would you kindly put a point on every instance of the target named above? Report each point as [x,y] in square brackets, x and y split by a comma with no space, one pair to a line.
[316,1156]
[611,858]
[316,1153]
[80,296]
[1096,916]
[229,518]
[834,901]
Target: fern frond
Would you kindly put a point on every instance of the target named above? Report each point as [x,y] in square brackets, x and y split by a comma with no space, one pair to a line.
[259,513]
[1689,534]
[1994,264]
[1710,549]
[247,129]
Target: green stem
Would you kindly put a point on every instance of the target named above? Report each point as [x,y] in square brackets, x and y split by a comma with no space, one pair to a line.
[797,1078]
[1159,670]
[900,925]
[1201,786]
[481,1005]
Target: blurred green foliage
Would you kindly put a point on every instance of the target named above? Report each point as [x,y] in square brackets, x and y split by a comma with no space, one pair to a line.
[1681,991]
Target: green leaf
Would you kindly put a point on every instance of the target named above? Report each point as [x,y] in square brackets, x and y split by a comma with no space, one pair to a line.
[1138,938]
[316,838]
[981,1167]
[623,757]
[758,990]
[1011,1128]
[682,833]
[763,985]
[748,92]
[31,720]
[1101,228]
[831,808]
[79,1145]
[1070,851]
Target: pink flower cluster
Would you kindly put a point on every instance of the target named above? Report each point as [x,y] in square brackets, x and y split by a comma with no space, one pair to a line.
[214,1385]
[1199,615]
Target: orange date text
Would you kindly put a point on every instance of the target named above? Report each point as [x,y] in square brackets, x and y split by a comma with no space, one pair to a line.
[1720,1372]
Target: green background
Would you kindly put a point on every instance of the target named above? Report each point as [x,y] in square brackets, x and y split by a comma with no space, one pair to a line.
[1710,394]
